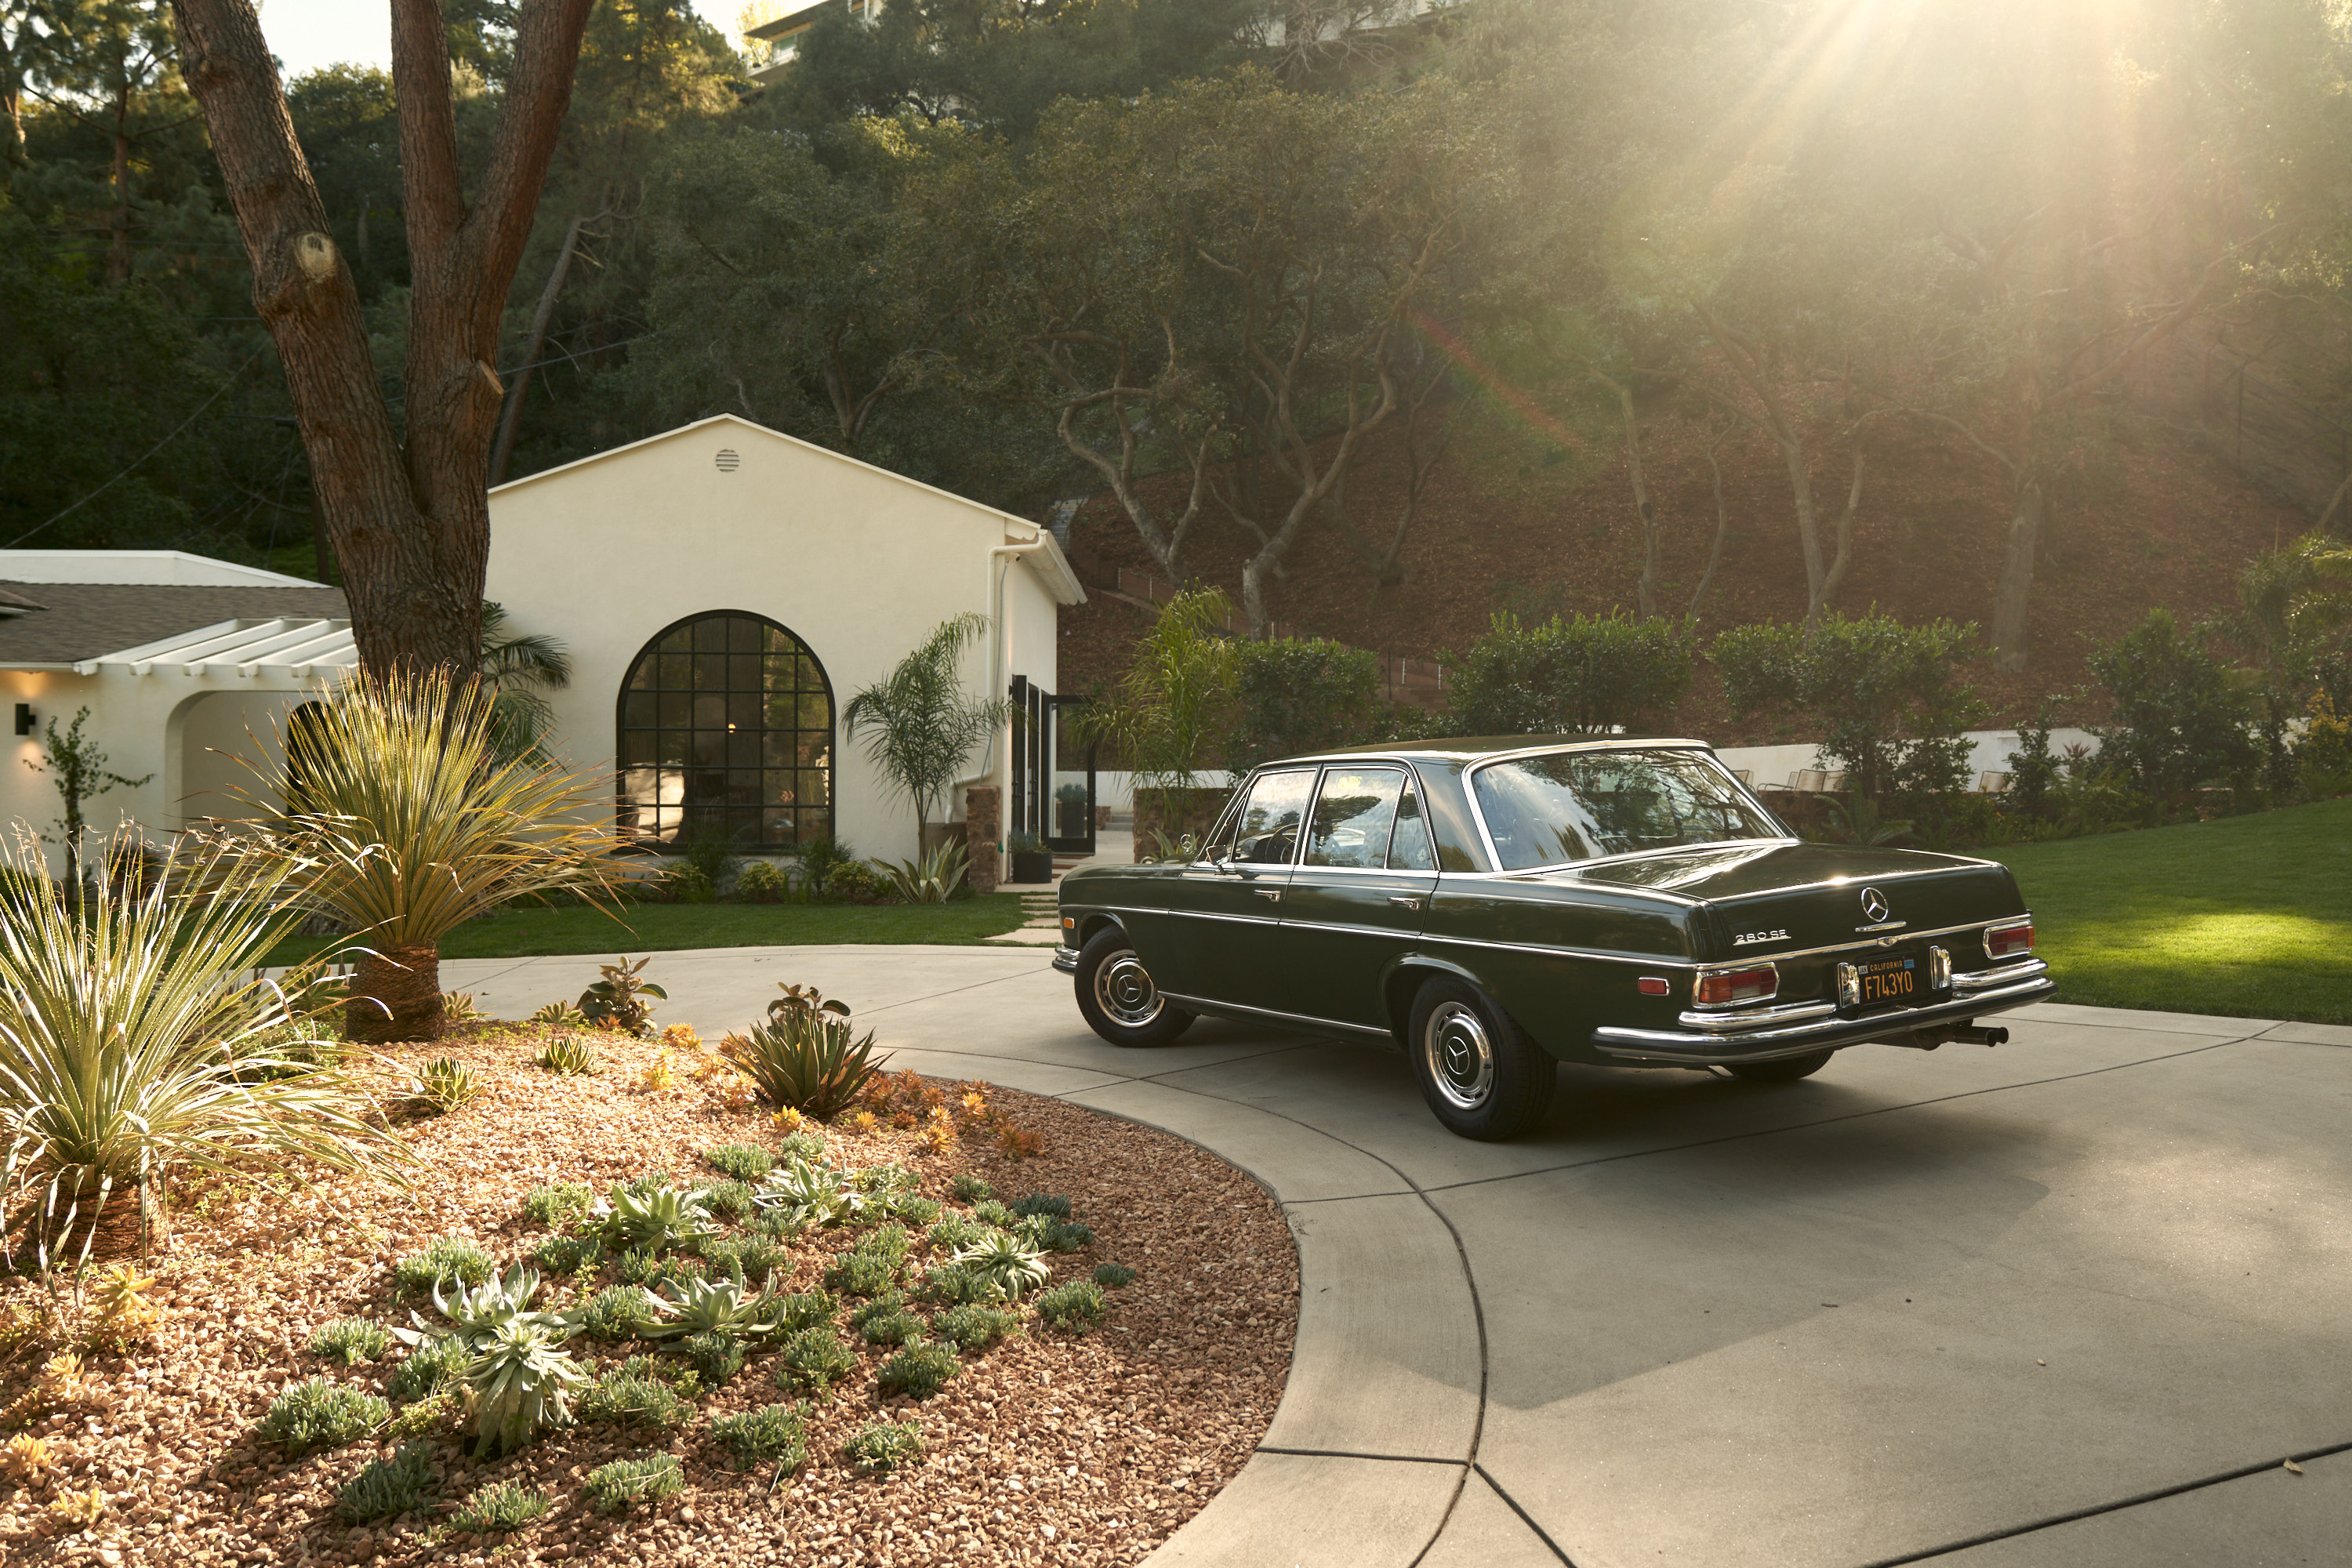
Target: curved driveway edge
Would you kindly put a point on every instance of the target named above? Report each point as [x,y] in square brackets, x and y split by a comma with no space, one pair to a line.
[2070,1302]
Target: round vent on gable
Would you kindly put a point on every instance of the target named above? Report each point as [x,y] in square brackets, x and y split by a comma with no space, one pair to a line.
[728,460]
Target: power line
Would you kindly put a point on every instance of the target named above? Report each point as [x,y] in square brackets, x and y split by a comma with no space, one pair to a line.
[124,471]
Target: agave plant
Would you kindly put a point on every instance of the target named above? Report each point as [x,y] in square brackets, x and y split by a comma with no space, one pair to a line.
[398,814]
[448,1083]
[686,1307]
[1004,1262]
[522,1378]
[800,1195]
[805,1060]
[933,879]
[559,1016]
[661,1217]
[568,1056]
[618,1000]
[137,1043]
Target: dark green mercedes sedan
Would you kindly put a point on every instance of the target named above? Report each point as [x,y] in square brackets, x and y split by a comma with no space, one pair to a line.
[1499,905]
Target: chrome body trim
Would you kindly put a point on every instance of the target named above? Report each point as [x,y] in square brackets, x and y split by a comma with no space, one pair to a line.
[1761,1019]
[1066,959]
[1287,1020]
[1982,979]
[1798,1038]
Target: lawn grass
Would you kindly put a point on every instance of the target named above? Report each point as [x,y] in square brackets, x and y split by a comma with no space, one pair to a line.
[2249,916]
[528,932]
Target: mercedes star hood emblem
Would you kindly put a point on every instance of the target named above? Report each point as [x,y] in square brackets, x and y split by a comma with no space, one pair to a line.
[1874,904]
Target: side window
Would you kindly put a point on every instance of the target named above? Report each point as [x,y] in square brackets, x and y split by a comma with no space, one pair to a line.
[1220,841]
[1352,817]
[1268,832]
[1410,849]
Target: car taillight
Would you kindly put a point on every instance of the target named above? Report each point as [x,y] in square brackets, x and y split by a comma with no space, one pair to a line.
[2008,941]
[1724,987]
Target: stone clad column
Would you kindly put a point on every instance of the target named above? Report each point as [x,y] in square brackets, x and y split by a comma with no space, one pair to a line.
[983,814]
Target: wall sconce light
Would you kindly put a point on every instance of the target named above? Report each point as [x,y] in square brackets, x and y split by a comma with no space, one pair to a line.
[24,718]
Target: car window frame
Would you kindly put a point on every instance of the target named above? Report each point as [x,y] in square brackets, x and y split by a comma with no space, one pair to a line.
[1323,773]
[1704,752]
[1413,781]
[1240,802]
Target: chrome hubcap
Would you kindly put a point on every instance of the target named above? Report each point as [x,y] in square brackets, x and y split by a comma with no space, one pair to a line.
[1123,989]
[1458,1055]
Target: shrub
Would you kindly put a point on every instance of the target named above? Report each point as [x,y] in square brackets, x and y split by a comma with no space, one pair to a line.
[743,1162]
[498,1508]
[1073,1308]
[1296,695]
[808,1061]
[447,1260]
[883,1446]
[1113,1275]
[2178,718]
[617,1313]
[821,860]
[569,1056]
[1584,676]
[763,882]
[624,1483]
[2323,758]
[138,1042]
[812,1359]
[559,1204]
[778,1432]
[352,1340]
[1880,694]
[447,1083]
[317,1414]
[385,1488]
[919,1370]
[628,1398]
[717,1356]
[974,1328]
[440,1360]
[618,1000]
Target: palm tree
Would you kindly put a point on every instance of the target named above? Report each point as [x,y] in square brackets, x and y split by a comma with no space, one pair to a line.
[920,723]
[516,669]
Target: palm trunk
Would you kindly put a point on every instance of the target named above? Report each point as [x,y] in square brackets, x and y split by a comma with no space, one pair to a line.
[396,996]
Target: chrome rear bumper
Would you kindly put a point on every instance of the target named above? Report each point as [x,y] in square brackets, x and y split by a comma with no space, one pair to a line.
[1066,959]
[1709,1039]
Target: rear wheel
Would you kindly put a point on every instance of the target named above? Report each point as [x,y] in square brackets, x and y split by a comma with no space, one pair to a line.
[1787,1069]
[1118,998]
[1480,1074]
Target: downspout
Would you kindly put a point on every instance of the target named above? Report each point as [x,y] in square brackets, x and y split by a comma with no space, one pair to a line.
[1000,645]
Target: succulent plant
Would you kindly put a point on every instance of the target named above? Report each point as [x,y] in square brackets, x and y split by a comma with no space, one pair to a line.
[919,1370]
[318,1414]
[895,1327]
[970,1189]
[445,1260]
[974,1328]
[1113,1275]
[1072,1307]
[558,1204]
[385,1488]
[860,1273]
[956,1232]
[805,1060]
[351,1341]
[566,1254]
[803,1194]
[624,1483]
[569,1056]
[559,1015]
[497,1508]
[745,1256]
[1004,1262]
[447,1083]
[629,1397]
[652,1220]
[778,1432]
[1043,1204]
[1050,1235]
[618,1312]
[436,1361]
[481,1309]
[883,1446]
[956,1286]
[812,1359]
[617,1001]
[717,1357]
[727,1200]
[715,1306]
[743,1162]
[522,1377]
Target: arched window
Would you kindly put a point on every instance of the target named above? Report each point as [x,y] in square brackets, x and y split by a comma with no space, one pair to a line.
[725,730]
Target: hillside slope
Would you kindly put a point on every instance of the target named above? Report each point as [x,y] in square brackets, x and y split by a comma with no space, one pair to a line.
[1509,521]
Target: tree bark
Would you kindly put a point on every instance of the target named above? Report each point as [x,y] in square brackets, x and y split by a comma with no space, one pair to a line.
[1645,592]
[1747,364]
[2012,596]
[118,254]
[409,523]
[1722,527]
[539,317]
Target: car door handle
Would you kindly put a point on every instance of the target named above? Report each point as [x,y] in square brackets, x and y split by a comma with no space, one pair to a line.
[1273,895]
[1405,900]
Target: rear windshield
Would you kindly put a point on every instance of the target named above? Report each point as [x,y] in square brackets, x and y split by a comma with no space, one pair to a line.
[1578,806]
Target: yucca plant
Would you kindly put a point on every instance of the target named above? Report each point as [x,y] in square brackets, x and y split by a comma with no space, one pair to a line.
[807,1061]
[448,1083]
[931,879]
[568,1056]
[397,813]
[1002,1260]
[136,1045]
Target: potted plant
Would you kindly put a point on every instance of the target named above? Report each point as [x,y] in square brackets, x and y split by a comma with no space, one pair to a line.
[1072,800]
[1032,862]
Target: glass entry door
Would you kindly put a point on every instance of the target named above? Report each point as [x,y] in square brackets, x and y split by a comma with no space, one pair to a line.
[1053,772]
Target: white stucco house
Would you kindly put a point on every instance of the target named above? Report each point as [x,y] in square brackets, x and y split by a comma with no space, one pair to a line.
[722,590]
[725,588]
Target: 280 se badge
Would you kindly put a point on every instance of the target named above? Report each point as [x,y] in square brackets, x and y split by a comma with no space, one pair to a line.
[1500,906]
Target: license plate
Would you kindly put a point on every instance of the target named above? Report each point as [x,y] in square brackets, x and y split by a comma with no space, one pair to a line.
[1898,981]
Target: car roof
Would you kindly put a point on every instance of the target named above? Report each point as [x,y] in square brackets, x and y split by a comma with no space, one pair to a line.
[1471,748]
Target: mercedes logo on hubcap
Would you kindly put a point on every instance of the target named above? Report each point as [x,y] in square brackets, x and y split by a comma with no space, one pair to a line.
[1874,904]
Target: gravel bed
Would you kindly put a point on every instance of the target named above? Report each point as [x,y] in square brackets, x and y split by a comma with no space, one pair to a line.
[1049,1447]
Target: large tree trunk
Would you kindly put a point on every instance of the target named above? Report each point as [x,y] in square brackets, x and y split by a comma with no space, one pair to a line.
[540,319]
[118,255]
[410,525]
[1645,592]
[2011,598]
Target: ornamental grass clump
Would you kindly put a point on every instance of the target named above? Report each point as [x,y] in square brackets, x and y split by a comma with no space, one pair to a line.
[351,1341]
[386,1488]
[625,1484]
[778,1432]
[137,1044]
[317,1414]
[399,810]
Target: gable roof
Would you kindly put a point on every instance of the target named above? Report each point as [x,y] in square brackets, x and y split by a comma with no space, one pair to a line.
[78,622]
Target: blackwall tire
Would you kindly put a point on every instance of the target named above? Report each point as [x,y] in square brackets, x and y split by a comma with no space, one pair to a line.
[1118,998]
[1481,1075]
[1786,1069]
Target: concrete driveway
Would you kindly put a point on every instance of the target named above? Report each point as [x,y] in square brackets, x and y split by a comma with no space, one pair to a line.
[2070,1302]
